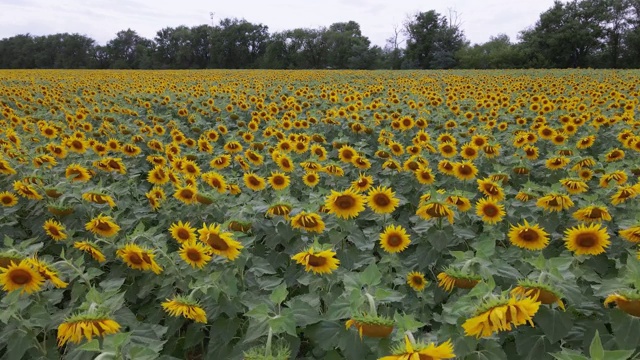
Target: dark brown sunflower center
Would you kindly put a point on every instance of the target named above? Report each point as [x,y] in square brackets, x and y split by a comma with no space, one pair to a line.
[54,231]
[20,276]
[529,235]
[345,202]
[394,240]
[595,214]
[470,151]
[6,200]
[347,155]
[381,200]
[308,221]
[183,234]
[217,242]
[553,202]
[447,149]
[435,210]
[447,166]
[316,261]
[187,194]
[417,280]
[103,226]
[490,210]
[586,240]
[135,259]
[491,189]
[194,255]
[77,145]
[278,180]
[465,170]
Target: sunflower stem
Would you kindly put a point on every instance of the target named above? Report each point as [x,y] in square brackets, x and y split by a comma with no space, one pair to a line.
[268,345]
[372,304]
[541,277]
[409,335]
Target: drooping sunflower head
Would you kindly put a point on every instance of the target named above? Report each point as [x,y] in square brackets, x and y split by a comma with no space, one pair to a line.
[435,209]
[627,301]
[538,291]
[587,240]
[308,221]
[631,234]
[102,225]
[89,325]
[77,173]
[452,277]
[554,202]
[374,326]
[91,249]
[592,213]
[55,230]
[221,243]
[500,314]
[530,237]
[421,350]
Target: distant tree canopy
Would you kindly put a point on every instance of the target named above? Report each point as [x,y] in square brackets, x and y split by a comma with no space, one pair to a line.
[586,33]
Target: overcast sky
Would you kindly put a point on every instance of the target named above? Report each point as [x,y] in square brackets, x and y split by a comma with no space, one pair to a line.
[102,19]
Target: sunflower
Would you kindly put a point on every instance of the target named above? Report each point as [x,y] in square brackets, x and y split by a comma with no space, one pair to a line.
[278,180]
[285,163]
[317,260]
[185,307]
[102,225]
[631,234]
[424,175]
[182,232]
[491,189]
[434,209]
[346,204]
[5,168]
[21,276]
[195,254]
[465,170]
[627,301]
[614,155]
[91,249]
[382,200]
[416,280]
[394,239]
[450,278]
[221,243]
[574,186]
[554,202]
[490,211]
[418,351]
[447,149]
[346,154]
[592,213]
[469,151]
[220,162]
[625,193]
[308,221]
[54,229]
[8,199]
[99,198]
[279,209]
[158,175]
[538,291]
[47,272]
[587,240]
[530,237]
[371,326]
[556,163]
[446,167]
[500,315]
[462,203]
[254,182]
[186,194]
[87,325]
[138,258]
[77,173]
[26,190]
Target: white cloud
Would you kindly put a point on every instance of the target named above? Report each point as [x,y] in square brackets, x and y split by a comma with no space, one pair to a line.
[102,19]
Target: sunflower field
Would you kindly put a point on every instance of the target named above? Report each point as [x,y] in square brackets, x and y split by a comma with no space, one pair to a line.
[319,215]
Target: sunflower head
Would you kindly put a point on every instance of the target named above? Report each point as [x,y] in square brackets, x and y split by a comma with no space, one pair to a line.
[375,326]
[452,277]
[627,301]
[538,291]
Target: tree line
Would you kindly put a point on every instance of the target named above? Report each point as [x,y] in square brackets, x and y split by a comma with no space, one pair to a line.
[586,33]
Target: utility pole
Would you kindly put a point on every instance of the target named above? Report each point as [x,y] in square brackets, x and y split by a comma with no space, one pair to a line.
[211,14]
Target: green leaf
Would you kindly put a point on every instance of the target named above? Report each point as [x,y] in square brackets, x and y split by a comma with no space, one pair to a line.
[371,275]
[93,345]
[285,322]
[260,312]
[625,329]
[304,310]
[407,322]
[596,351]
[555,324]
[279,294]
[618,354]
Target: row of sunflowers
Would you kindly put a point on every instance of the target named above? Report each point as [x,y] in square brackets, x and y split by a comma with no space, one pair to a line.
[319,214]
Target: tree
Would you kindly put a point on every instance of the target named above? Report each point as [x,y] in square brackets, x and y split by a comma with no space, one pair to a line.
[432,41]
[347,47]
[497,53]
[238,44]
[128,50]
